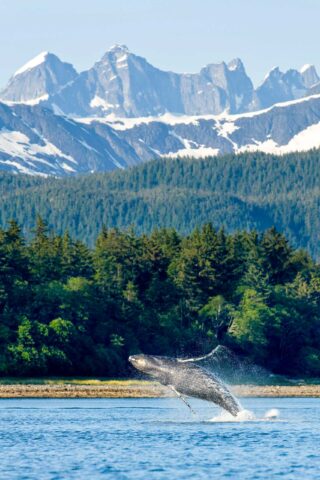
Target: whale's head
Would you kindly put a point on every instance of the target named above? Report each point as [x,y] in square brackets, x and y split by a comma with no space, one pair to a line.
[151,365]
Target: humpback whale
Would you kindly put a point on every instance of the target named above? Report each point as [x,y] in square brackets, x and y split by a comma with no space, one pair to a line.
[184,377]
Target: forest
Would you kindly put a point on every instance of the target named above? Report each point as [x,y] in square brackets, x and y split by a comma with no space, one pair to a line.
[237,192]
[69,309]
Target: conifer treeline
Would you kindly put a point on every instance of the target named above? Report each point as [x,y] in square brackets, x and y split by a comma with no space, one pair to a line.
[66,309]
[240,192]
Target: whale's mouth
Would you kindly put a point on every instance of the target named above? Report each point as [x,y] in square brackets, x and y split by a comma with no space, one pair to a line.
[132,359]
[137,362]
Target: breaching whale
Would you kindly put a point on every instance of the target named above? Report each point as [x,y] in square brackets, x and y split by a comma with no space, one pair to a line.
[187,378]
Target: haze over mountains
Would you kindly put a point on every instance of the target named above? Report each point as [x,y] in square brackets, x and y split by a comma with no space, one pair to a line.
[123,111]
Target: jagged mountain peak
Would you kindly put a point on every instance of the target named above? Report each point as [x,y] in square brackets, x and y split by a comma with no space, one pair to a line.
[236,64]
[294,78]
[37,79]
[306,67]
[279,86]
[115,54]
[120,54]
[124,84]
[274,72]
[117,47]
[117,51]
[34,62]
[309,75]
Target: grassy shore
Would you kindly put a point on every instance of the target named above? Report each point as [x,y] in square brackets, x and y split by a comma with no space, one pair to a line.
[106,388]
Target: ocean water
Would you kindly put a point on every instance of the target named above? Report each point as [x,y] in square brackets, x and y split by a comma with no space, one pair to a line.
[157,439]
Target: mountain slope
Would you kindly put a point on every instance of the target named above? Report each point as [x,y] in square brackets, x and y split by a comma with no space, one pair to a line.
[126,85]
[293,126]
[38,79]
[309,76]
[279,87]
[123,84]
[239,192]
[34,140]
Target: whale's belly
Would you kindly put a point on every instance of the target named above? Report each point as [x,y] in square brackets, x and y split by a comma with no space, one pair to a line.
[196,382]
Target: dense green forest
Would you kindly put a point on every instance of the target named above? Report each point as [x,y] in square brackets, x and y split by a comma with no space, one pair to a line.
[239,192]
[66,309]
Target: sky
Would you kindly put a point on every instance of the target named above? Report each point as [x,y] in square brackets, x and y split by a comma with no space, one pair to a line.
[178,35]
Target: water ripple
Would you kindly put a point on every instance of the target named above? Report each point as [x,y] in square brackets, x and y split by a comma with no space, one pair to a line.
[156,439]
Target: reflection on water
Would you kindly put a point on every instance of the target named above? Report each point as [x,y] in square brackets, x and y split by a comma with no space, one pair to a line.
[158,439]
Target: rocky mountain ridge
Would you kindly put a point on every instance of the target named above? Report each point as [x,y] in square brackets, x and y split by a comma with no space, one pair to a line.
[123,84]
[35,140]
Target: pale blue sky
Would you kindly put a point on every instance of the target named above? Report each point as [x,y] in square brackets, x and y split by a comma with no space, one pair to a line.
[180,35]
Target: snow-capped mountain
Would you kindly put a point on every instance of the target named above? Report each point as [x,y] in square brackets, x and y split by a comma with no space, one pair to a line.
[38,79]
[35,140]
[126,85]
[279,87]
[283,128]
[123,84]
[122,111]
[309,76]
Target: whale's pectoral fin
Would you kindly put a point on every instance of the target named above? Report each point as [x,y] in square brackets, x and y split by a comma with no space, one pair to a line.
[204,357]
[182,398]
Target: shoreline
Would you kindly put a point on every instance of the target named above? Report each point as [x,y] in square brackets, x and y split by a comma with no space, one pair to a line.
[142,389]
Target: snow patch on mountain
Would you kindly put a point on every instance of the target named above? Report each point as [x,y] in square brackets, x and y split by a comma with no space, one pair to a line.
[305,140]
[200,152]
[18,146]
[276,105]
[34,101]
[38,60]
[225,120]
[100,102]
[34,140]
[225,127]
[120,123]
[305,67]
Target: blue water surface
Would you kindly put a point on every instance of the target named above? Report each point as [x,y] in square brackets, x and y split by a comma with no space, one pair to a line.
[156,439]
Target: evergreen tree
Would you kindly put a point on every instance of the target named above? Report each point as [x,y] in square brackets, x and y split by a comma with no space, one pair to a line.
[66,309]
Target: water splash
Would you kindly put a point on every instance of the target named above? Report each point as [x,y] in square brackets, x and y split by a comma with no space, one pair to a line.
[242,416]
[245,416]
[272,414]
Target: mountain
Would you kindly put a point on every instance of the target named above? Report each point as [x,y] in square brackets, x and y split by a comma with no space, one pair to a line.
[283,128]
[126,85]
[279,87]
[35,140]
[245,191]
[38,79]
[309,76]
[123,111]
[123,84]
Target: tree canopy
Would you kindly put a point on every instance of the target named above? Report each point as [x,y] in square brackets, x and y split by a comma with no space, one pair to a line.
[240,192]
[66,309]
